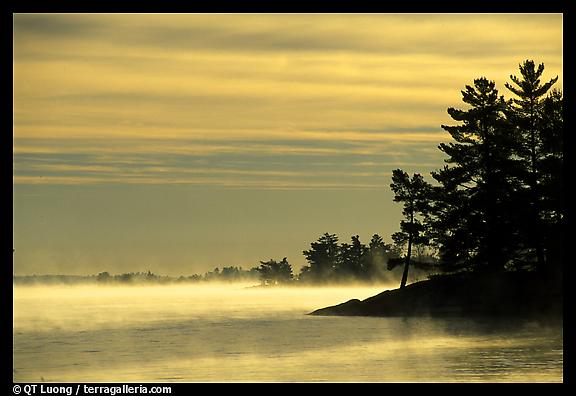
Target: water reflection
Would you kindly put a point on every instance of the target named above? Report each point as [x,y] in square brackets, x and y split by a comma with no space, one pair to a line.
[238,334]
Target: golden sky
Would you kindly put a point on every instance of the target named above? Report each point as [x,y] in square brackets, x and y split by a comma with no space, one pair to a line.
[299,102]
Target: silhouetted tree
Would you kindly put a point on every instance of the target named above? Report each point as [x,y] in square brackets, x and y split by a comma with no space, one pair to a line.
[322,258]
[213,275]
[552,182]
[471,224]
[351,263]
[103,277]
[413,193]
[538,122]
[274,272]
[379,255]
[150,276]
[126,277]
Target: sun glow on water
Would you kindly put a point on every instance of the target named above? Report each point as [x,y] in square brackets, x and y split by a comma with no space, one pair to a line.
[238,333]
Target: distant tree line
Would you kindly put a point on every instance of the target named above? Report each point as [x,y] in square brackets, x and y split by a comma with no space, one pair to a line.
[331,262]
[226,274]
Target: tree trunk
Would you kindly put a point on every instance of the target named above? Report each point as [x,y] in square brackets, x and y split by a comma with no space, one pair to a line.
[407,264]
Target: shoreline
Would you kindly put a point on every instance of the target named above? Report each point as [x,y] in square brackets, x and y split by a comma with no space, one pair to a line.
[506,294]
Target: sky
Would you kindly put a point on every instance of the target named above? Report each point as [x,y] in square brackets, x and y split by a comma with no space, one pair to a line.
[178,143]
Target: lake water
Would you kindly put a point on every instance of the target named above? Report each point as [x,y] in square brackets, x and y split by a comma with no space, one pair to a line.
[230,333]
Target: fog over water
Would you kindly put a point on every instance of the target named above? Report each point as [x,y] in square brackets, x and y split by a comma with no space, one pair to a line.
[238,333]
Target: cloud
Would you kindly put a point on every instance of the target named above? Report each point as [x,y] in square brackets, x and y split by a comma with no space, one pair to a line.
[165,98]
[58,25]
[450,35]
[288,163]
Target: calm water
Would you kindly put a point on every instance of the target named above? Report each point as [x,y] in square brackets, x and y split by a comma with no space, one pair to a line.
[233,333]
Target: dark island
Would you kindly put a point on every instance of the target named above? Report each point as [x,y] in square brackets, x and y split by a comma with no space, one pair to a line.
[508,294]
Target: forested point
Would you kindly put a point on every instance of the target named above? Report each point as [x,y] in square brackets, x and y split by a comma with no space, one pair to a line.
[497,205]
[494,215]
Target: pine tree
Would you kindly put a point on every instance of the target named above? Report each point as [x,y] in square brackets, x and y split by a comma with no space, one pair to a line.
[275,272]
[322,258]
[552,182]
[352,260]
[414,194]
[378,256]
[470,222]
[529,117]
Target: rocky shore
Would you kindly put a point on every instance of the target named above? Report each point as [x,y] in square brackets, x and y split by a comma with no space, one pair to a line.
[507,294]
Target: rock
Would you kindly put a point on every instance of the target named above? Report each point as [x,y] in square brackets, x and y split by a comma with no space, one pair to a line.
[501,294]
